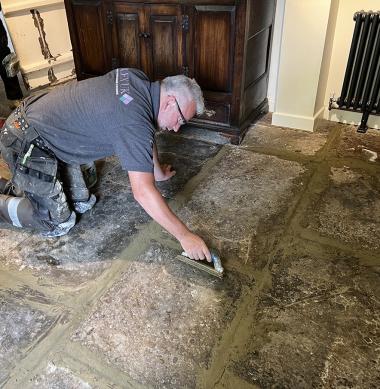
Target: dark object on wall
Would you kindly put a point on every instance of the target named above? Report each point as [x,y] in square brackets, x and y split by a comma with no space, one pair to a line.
[361,85]
[11,83]
[224,45]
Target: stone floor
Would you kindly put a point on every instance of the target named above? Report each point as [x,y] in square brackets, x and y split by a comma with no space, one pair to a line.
[296,217]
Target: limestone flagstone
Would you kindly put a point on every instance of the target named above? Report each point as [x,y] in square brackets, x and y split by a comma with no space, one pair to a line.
[284,139]
[59,378]
[347,208]
[243,193]
[21,325]
[160,321]
[106,230]
[317,326]
[365,147]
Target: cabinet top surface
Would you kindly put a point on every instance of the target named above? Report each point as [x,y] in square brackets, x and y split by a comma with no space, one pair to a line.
[200,2]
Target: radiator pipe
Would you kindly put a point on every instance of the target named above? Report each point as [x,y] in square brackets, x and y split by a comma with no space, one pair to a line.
[351,58]
[358,63]
[361,99]
[368,102]
[371,105]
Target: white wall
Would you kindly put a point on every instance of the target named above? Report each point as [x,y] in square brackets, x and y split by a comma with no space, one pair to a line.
[320,103]
[302,47]
[275,53]
[341,47]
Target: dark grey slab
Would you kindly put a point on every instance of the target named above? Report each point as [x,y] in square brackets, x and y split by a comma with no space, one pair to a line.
[21,325]
[244,197]
[202,134]
[348,208]
[318,325]
[285,139]
[361,146]
[99,236]
[105,231]
[160,322]
[186,155]
[58,377]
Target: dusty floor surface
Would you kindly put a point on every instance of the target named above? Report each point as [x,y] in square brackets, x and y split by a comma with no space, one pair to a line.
[296,217]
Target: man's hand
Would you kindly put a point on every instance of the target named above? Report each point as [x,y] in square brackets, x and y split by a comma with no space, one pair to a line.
[195,247]
[163,172]
[147,195]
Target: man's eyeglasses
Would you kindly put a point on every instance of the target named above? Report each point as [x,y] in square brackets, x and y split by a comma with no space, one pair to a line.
[183,120]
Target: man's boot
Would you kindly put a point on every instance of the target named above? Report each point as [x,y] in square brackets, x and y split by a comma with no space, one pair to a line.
[76,188]
[3,185]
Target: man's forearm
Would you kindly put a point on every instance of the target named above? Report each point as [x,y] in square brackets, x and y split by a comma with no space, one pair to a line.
[156,162]
[153,203]
[147,195]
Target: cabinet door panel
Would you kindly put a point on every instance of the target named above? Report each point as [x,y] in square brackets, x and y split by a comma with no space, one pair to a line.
[127,47]
[213,29]
[165,40]
[87,22]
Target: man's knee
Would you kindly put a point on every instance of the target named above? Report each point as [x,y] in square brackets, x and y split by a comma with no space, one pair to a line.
[19,212]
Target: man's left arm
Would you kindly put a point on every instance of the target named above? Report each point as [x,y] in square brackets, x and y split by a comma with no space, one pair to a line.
[161,172]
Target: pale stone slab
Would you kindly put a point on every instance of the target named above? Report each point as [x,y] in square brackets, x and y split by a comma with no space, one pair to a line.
[20,326]
[243,194]
[160,322]
[348,209]
[362,146]
[58,378]
[285,139]
[318,325]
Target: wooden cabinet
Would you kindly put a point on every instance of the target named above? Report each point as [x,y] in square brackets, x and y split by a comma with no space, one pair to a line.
[224,45]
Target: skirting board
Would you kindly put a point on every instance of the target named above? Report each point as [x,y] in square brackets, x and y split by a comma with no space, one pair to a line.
[305,123]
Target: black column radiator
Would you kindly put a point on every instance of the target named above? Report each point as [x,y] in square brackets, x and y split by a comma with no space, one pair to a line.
[361,85]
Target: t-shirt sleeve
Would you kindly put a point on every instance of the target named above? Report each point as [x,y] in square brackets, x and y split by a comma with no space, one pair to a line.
[134,148]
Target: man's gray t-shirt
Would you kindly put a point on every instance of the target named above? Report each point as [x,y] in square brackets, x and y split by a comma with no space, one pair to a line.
[99,117]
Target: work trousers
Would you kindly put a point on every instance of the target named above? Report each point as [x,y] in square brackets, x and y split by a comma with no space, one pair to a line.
[42,187]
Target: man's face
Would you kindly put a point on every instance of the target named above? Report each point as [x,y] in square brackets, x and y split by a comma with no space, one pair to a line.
[173,114]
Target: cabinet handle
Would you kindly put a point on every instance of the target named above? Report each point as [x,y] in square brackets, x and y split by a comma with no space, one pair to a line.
[144,35]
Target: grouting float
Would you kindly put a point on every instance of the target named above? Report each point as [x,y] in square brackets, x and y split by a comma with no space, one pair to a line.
[214,267]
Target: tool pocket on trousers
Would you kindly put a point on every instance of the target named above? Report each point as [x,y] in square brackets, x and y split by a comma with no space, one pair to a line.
[37,173]
[7,138]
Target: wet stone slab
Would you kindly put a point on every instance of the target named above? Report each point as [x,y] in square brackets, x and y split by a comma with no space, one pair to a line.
[58,378]
[202,134]
[285,139]
[348,209]
[186,155]
[318,325]
[98,238]
[243,195]
[20,327]
[361,146]
[105,231]
[160,322]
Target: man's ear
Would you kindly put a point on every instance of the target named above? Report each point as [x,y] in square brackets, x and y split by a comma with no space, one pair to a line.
[170,101]
[167,102]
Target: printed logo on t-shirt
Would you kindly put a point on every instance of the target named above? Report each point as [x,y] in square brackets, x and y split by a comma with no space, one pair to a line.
[123,86]
[122,82]
[126,99]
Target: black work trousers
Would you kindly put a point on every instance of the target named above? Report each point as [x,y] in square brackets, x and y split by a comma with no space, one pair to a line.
[38,179]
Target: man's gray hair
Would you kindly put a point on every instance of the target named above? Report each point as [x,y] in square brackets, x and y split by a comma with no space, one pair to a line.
[185,87]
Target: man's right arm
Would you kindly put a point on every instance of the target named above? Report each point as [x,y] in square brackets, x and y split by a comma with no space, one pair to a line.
[147,195]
